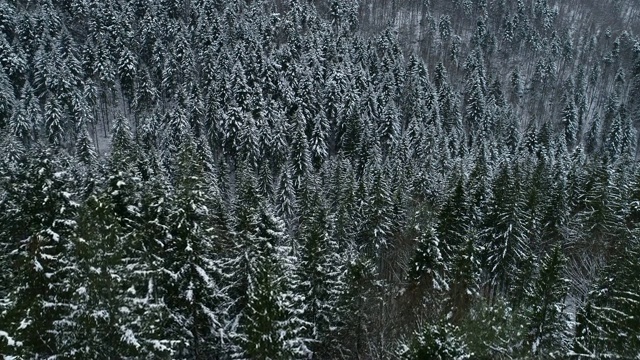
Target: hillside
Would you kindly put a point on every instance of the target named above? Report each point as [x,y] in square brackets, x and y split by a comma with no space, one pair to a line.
[328,179]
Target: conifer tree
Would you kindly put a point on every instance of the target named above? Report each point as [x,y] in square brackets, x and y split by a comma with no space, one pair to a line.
[428,263]
[321,271]
[39,222]
[300,156]
[547,318]
[570,118]
[438,341]
[94,327]
[267,312]
[504,231]
[195,287]
[607,323]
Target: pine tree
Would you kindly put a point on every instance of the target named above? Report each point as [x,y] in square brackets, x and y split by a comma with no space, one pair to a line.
[7,98]
[116,288]
[320,273]
[593,136]
[438,341]
[377,229]
[287,206]
[356,302]
[389,129]
[94,327]
[272,328]
[26,117]
[494,330]
[151,318]
[504,231]
[300,156]
[477,113]
[570,118]
[457,232]
[602,215]
[465,276]
[266,328]
[319,139]
[195,289]
[38,224]
[54,121]
[428,264]
[607,324]
[454,219]
[267,313]
[547,318]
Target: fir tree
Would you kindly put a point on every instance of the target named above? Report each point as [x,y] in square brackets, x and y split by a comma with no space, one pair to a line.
[39,224]
[438,342]
[547,317]
[570,118]
[504,231]
[607,323]
[320,273]
[196,293]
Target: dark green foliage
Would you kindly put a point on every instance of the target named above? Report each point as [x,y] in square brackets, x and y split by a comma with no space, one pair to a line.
[494,330]
[192,272]
[318,179]
[438,342]
[428,264]
[38,226]
[570,118]
[607,323]
[547,320]
[321,274]
[504,231]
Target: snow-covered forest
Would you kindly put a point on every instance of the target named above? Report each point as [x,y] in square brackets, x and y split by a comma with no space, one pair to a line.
[319,179]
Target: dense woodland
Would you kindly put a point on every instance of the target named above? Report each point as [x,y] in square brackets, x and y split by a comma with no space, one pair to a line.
[336,179]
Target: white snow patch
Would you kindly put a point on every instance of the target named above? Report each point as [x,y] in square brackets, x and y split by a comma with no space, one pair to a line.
[53,234]
[10,341]
[24,324]
[129,338]
[100,314]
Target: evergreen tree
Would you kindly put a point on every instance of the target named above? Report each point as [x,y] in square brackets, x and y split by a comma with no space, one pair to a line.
[607,324]
[300,155]
[268,314]
[570,118]
[97,326]
[320,272]
[504,233]
[428,263]
[593,136]
[547,318]
[476,107]
[38,226]
[284,183]
[458,232]
[601,218]
[54,121]
[438,342]
[356,302]
[195,290]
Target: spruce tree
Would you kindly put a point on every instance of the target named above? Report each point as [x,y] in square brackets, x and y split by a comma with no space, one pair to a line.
[608,322]
[320,273]
[38,226]
[267,313]
[504,232]
[194,287]
[547,319]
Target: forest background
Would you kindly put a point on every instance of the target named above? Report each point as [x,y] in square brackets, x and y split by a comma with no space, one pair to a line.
[206,179]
